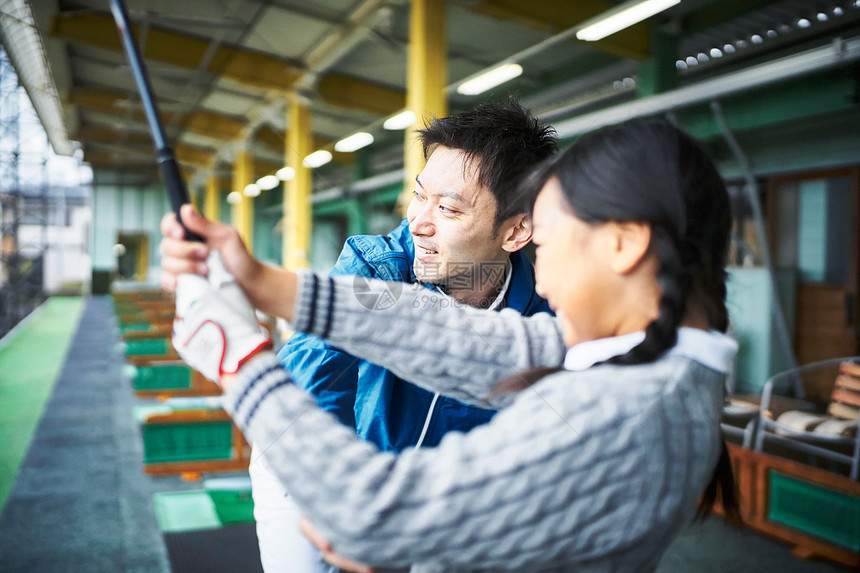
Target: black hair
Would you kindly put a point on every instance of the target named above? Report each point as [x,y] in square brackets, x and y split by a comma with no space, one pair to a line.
[505,140]
[652,172]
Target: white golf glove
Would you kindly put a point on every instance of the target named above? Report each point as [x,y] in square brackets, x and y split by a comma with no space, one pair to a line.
[215,329]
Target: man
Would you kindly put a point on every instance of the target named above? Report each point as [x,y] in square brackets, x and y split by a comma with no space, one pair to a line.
[463,235]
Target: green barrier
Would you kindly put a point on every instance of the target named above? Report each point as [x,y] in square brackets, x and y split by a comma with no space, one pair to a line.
[185,511]
[187,441]
[233,506]
[196,509]
[815,509]
[152,346]
[134,326]
[166,377]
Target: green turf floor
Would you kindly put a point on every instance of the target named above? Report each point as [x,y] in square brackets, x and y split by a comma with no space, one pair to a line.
[30,359]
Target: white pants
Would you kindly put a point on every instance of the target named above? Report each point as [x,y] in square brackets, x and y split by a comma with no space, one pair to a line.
[283,548]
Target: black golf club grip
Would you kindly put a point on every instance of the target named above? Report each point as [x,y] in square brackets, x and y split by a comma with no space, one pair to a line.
[176,190]
[177,193]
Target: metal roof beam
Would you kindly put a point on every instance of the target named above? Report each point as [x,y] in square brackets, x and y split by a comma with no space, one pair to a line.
[841,52]
[230,62]
[551,16]
[110,136]
[194,156]
[206,123]
[719,12]
[343,91]
[109,159]
[181,50]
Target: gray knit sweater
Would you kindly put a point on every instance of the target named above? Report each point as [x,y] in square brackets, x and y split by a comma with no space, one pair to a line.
[588,470]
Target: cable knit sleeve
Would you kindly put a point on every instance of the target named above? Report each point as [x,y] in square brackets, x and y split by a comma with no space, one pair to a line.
[427,338]
[595,468]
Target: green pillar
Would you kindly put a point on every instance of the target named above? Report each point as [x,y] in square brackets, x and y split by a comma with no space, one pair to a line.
[356,223]
[658,74]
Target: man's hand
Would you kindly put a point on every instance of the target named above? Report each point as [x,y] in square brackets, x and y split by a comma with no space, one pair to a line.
[328,555]
[179,256]
[268,288]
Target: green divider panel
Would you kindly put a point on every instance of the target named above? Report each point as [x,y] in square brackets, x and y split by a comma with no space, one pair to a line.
[187,441]
[167,377]
[146,347]
[30,359]
[134,326]
[233,506]
[198,509]
[815,509]
[185,511]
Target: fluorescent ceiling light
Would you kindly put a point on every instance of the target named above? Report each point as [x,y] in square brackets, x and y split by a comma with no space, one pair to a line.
[402,120]
[252,190]
[285,173]
[234,197]
[620,17]
[317,158]
[268,182]
[354,142]
[490,79]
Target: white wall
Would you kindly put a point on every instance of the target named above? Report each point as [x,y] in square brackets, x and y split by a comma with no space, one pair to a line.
[126,210]
[66,248]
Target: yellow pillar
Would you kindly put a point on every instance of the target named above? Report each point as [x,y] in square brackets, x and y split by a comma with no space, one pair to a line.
[426,76]
[142,258]
[212,203]
[297,191]
[243,211]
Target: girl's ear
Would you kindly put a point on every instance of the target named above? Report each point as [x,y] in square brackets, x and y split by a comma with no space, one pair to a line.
[517,232]
[631,243]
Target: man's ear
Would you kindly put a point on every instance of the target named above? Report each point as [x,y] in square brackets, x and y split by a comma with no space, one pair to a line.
[517,232]
[631,242]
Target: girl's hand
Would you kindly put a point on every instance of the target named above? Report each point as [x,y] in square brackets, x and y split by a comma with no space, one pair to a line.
[330,556]
[215,330]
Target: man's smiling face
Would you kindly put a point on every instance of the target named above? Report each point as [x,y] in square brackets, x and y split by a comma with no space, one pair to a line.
[452,220]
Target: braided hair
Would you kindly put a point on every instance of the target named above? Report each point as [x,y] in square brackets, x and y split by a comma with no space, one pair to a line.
[652,172]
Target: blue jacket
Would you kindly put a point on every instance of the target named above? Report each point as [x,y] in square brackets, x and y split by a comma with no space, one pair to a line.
[383,408]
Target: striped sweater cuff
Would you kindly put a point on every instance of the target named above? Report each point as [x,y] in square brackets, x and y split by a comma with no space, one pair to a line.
[256,381]
[314,304]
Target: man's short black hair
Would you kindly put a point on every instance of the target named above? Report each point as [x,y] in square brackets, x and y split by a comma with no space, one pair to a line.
[505,139]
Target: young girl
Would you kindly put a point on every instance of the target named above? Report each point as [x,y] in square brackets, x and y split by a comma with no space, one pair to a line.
[595,461]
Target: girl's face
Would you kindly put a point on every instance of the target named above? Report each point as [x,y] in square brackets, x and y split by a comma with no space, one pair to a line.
[572,267]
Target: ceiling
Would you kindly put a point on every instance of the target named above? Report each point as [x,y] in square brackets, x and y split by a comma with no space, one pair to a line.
[221,68]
